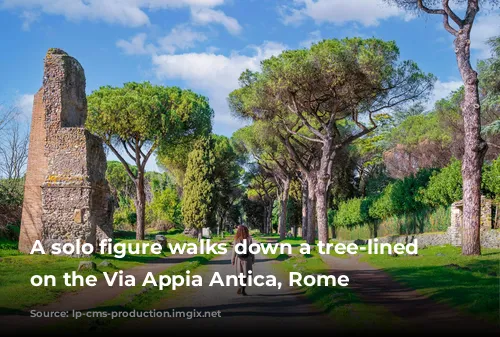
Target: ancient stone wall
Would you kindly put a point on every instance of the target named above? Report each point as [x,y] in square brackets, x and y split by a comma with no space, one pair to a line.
[488,235]
[72,201]
[490,238]
[31,227]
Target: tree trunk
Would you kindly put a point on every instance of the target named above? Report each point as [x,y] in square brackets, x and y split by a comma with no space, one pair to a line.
[374,229]
[311,196]
[264,220]
[140,206]
[474,149]
[321,210]
[283,209]
[267,212]
[362,185]
[321,190]
[200,234]
[270,216]
[220,226]
[304,208]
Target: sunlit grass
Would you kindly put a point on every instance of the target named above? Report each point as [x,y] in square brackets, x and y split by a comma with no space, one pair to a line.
[16,270]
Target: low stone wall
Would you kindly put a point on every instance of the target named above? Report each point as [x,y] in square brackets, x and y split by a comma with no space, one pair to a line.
[489,239]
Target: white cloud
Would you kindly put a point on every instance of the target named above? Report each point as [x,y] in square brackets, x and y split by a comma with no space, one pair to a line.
[23,105]
[215,74]
[205,16]
[366,12]
[314,37]
[131,13]
[207,70]
[484,28]
[28,18]
[127,12]
[181,37]
[136,45]
[442,90]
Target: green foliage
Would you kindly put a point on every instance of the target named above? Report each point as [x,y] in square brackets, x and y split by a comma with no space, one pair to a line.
[492,129]
[415,204]
[254,212]
[378,180]
[119,181]
[198,195]
[275,215]
[405,193]
[294,213]
[424,221]
[165,208]
[361,69]
[260,185]
[11,203]
[449,120]
[125,215]
[418,128]
[352,212]
[139,117]
[489,83]
[383,206]
[11,191]
[399,197]
[174,158]
[416,109]
[445,186]
[425,140]
[146,112]
[491,178]
[157,181]
[227,174]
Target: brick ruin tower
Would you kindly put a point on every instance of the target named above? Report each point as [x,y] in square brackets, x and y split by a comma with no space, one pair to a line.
[66,195]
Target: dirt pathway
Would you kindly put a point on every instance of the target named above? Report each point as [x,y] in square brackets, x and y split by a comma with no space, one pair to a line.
[265,309]
[376,287]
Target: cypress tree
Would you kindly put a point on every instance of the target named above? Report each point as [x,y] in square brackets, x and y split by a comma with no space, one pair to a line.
[198,194]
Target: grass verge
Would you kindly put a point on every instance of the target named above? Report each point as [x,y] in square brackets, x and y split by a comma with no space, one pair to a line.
[470,283]
[16,269]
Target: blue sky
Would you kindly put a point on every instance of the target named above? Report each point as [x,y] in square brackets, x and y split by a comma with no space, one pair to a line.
[205,44]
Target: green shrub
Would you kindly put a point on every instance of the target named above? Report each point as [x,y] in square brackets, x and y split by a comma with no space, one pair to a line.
[165,209]
[491,179]
[405,195]
[445,186]
[383,207]
[125,216]
[352,212]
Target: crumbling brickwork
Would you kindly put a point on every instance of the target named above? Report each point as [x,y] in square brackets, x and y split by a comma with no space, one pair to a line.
[31,226]
[66,193]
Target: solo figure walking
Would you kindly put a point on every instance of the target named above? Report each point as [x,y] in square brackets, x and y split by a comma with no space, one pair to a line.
[242,261]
